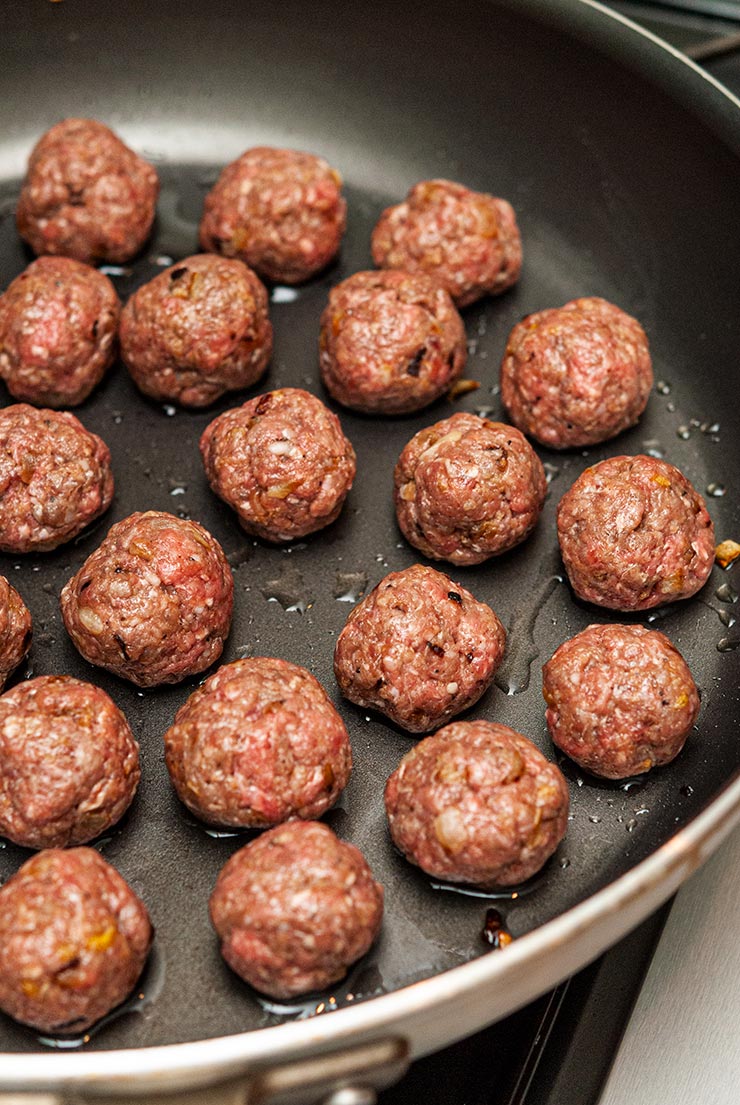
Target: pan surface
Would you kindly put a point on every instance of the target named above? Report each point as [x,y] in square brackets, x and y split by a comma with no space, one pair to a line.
[619,160]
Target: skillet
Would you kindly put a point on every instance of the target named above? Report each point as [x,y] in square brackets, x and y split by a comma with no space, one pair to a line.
[622,163]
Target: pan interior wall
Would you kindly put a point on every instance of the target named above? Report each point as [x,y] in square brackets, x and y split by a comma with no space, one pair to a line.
[619,192]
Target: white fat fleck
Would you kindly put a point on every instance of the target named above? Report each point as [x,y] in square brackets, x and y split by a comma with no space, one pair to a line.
[90,620]
[280,448]
[452,688]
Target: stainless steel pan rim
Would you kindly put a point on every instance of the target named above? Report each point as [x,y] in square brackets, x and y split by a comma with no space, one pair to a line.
[467,997]
[440,1009]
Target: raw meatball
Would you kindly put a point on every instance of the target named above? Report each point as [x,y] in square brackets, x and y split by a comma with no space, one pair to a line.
[58,323]
[295,909]
[86,195]
[477,803]
[282,462]
[16,630]
[281,211]
[153,603]
[55,478]
[197,330]
[73,940]
[576,375]
[258,743]
[466,489]
[69,765]
[620,699]
[391,342]
[419,648]
[468,241]
[634,533]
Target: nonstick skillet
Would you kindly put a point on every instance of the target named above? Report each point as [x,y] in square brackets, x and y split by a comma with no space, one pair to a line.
[623,163]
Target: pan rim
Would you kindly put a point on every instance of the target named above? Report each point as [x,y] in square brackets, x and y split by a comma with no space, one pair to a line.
[196,1063]
[604,916]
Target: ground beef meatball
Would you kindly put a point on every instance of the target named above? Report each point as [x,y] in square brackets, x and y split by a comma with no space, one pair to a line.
[620,699]
[282,462]
[469,241]
[86,195]
[258,743]
[295,909]
[391,342]
[69,765]
[58,323]
[55,478]
[281,211]
[419,648]
[73,940]
[197,330]
[153,603]
[16,631]
[466,489]
[634,533]
[477,803]
[576,375]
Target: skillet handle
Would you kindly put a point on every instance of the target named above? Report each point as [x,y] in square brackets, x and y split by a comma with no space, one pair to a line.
[350,1076]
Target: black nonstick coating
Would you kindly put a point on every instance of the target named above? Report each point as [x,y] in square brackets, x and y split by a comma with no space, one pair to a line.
[621,191]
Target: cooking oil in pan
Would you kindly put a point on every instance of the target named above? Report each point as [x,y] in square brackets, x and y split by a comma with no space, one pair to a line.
[515,672]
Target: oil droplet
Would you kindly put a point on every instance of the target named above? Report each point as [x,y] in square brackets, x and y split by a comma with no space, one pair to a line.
[178,489]
[350,586]
[642,811]
[686,790]
[501,894]
[683,432]
[169,410]
[289,589]
[716,490]
[631,824]
[115,270]
[551,471]
[659,614]
[631,785]
[726,593]
[163,260]
[484,412]
[728,644]
[709,427]
[727,618]
[663,387]
[281,294]
[595,820]
[564,863]
[494,931]
[671,408]
[117,417]
[654,448]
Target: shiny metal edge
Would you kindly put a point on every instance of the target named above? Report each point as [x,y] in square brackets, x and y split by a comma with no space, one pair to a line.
[436,1011]
[428,1014]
